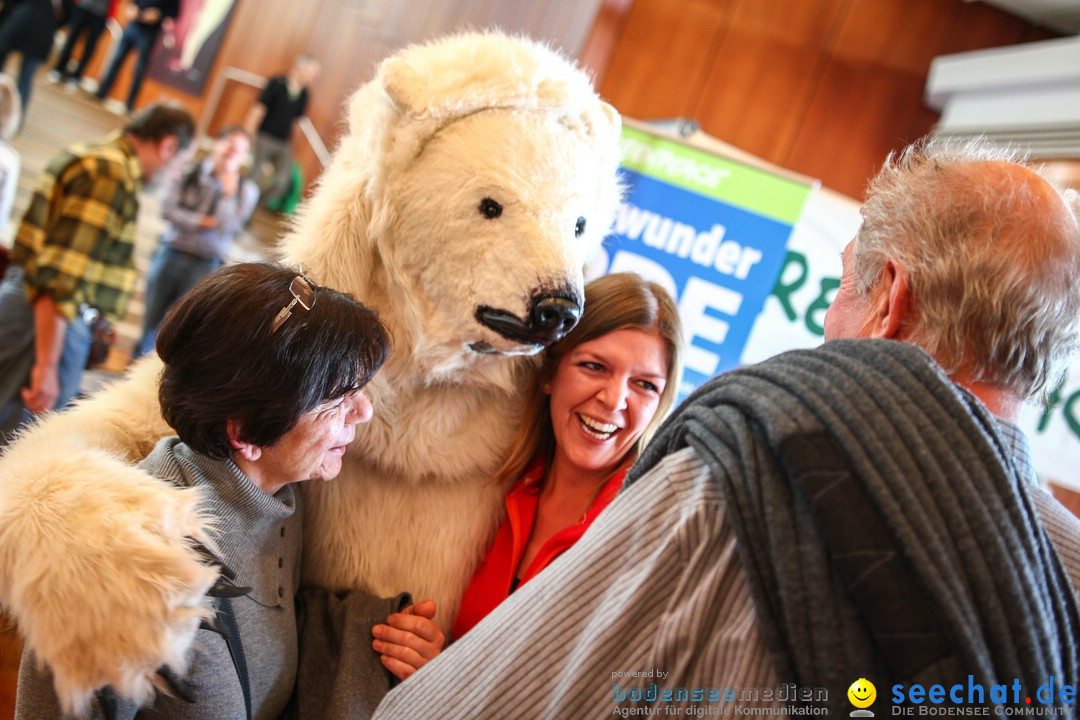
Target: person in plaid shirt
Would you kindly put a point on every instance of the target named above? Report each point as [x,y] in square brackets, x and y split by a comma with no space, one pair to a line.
[73,254]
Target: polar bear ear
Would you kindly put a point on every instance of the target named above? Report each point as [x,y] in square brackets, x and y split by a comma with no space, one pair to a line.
[406,87]
[610,120]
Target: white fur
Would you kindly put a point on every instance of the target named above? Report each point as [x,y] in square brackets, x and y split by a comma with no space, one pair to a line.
[394,222]
[95,563]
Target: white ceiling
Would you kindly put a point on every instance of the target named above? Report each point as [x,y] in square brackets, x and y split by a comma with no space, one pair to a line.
[1060,15]
[1026,94]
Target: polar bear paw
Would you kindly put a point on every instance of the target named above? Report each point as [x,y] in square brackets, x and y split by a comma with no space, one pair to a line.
[100,567]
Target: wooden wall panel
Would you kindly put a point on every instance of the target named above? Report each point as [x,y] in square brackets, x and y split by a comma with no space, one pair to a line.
[824,87]
[661,60]
[857,116]
[897,35]
[600,43]
[350,37]
[782,48]
[871,89]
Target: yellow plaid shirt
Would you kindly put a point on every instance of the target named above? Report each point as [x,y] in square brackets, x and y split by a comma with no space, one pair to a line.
[76,241]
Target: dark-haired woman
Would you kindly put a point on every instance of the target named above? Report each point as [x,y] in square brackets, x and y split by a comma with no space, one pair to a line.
[205,208]
[263,384]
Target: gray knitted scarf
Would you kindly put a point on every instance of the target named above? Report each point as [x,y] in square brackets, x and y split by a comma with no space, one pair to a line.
[881,523]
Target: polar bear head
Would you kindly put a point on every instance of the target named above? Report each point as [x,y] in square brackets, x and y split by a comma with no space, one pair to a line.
[477,177]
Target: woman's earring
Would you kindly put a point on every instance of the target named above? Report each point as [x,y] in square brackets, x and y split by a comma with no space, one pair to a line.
[547,388]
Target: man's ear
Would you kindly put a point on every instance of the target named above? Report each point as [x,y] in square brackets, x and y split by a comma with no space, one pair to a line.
[247,450]
[168,147]
[890,303]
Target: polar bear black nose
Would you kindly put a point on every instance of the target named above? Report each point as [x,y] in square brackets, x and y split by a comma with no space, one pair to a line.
[553,316]
[550,317]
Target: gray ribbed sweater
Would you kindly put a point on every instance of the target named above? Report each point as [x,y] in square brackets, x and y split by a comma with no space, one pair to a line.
[881,524]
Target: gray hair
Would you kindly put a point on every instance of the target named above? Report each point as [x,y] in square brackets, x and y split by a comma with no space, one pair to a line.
[994,276]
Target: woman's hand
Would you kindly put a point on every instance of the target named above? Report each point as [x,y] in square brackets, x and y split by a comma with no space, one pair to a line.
[409,639]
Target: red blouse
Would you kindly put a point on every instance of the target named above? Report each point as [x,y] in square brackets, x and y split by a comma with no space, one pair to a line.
[492,582]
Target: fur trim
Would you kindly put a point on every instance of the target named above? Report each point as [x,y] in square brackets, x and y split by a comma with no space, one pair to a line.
[95,563]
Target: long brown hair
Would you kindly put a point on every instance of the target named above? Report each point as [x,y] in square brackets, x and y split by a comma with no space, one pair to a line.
[612,302]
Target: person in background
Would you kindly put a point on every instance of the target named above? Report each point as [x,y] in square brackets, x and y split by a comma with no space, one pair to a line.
[865,509]
[247,432]
[73,252]
[27,27]
[10,112]
[145,20]
[271,120]
[603,390]
[199,20]
[204,209]
[87,20]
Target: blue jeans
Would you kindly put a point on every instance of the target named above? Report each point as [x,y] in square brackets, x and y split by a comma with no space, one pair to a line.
[93,25]
[172,274]
[25,83]
[136,37]
[17,354]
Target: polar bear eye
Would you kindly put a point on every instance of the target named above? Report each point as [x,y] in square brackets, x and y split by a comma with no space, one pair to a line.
[579,228]
[490,209]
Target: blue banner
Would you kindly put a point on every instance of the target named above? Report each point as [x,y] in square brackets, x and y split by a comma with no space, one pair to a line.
[689,223]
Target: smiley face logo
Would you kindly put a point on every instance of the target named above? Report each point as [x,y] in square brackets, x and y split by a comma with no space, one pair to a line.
[862,693]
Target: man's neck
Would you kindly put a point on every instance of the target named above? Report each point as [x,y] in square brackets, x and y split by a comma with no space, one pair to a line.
[1001,403]
[145,151]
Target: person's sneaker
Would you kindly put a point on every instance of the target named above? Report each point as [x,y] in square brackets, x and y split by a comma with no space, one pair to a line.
[115,106]
[71,85]
[52,77]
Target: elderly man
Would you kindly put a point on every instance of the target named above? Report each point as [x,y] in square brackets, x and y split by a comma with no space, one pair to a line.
[75,252]
[862,511]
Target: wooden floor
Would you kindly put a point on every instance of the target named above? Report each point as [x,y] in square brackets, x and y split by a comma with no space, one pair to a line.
[58,117]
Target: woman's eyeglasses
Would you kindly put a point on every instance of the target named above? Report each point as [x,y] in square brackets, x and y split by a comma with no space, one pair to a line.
[302,293]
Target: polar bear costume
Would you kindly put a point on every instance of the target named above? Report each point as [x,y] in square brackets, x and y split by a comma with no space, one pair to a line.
[477,176]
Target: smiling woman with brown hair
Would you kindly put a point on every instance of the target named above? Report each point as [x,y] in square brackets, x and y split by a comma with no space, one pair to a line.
[602,391]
